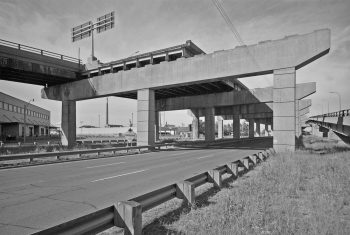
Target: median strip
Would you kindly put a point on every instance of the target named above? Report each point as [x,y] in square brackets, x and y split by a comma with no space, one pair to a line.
[116,176]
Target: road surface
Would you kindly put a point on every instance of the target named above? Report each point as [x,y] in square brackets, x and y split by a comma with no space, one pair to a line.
[37,197]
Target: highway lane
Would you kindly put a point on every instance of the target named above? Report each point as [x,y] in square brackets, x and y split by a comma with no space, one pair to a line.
[38,197]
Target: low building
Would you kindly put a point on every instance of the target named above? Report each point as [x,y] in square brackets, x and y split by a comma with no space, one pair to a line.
[18,117]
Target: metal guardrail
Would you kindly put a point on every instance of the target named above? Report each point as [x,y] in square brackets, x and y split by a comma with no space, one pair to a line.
[128,215]
[39,51]
[341,113]
[32,156]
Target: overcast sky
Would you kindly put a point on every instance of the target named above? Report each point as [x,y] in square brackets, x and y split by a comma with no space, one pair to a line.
[146,25]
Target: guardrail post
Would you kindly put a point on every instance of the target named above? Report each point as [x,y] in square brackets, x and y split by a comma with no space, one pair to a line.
[246,163]
[215,176]
[233,168]
[185,190]
[128,215]
[260,156]
[253,159]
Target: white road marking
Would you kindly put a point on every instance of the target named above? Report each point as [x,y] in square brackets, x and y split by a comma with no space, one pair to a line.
[116,163]
[116,176]
[206,156]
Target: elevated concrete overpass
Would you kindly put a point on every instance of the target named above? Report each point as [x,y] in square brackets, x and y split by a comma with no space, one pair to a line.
[25,64]
[153,84]
[338,122]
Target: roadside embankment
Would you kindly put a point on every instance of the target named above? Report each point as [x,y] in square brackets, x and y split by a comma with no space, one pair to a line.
[293,193]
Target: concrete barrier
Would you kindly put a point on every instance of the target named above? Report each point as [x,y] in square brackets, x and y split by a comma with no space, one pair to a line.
[128,214]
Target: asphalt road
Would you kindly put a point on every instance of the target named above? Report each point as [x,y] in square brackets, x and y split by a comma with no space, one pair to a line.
[37,197]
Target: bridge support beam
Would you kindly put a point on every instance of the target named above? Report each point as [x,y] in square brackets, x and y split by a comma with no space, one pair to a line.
[251,128]
[210,124]
[68,123]
[236,126]
[156,125]
[145,117]
[195,124]
[258,132]
[284,96]
[220,128]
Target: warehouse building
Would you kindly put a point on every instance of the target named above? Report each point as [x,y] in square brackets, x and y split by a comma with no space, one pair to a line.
[18,117]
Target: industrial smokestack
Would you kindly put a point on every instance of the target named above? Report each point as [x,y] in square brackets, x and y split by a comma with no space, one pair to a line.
[107,125]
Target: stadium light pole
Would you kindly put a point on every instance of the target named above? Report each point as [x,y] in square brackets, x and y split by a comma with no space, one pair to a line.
[25,119]
[85,30]
[337,93]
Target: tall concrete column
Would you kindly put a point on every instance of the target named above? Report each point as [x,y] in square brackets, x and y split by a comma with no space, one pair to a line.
[68,123]
[266,129]
[156,125]
[257,121]
[220,127]
[236,126]
[210,124]
[284,83]
[251,128]
[145,117]
[195,123]
[297,120]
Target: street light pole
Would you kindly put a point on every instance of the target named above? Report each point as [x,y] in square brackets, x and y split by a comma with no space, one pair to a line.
[337,93]
[25,119]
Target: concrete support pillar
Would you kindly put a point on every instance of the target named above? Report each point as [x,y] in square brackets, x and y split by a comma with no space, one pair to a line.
[145,117]
[220,128]
[297,120]
[251,128]
[210,124]
[266,129]
[195,124]
[156,125]
[257,121]
[284,95]
[68,123]
[236,126]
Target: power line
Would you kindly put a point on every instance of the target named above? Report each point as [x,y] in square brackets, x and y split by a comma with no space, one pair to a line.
[233,29]
[228,22]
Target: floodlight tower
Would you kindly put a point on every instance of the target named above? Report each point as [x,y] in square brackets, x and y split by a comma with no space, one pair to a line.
[85,30]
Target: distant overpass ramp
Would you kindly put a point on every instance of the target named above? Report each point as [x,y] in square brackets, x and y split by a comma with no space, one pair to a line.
[338,122]
[25,64]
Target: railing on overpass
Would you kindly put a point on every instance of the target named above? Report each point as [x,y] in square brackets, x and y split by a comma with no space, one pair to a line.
[39,51]
[341,113]
[128,214]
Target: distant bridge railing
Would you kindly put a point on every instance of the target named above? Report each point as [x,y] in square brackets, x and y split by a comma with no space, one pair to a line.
[341,113]
[39,51]
[128,214]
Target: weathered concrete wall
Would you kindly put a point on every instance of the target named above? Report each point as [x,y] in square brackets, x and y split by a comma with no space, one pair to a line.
[284,97]
[145,117]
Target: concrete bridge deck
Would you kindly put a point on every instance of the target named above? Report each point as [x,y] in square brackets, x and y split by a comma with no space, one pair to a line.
[25,64]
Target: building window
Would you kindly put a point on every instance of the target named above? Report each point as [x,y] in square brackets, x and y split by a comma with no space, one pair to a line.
[1,105]
[15,109]
[6,106]
[10,107]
